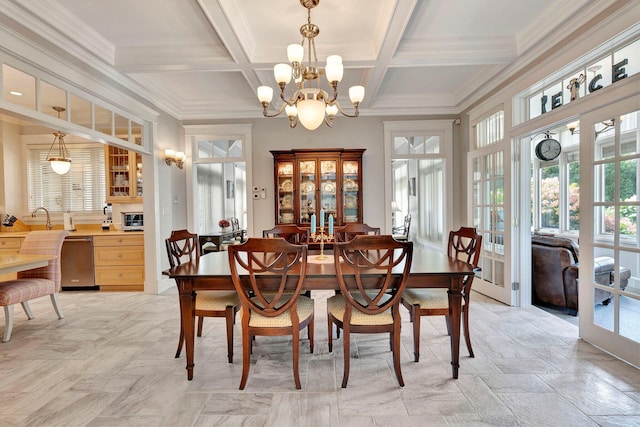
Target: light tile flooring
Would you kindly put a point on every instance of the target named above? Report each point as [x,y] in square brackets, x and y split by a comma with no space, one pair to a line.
[110,363]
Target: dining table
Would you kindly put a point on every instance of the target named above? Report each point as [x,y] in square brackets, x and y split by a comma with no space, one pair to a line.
[12,263]
[430,268]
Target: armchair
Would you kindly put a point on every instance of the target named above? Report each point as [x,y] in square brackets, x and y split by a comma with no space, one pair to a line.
[37,282]
[554,272]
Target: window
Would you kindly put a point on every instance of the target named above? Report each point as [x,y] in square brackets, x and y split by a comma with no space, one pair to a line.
[82,189]
[556,186]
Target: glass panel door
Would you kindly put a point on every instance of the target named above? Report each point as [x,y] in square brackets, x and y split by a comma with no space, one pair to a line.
[609,309]
[488,208]
[285,192]
[307,190]
[328,189]
[351,190]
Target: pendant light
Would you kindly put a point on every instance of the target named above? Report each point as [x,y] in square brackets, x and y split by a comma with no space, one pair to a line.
[60,163]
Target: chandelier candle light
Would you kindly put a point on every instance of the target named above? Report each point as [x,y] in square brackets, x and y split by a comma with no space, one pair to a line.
[318,235]
[309,105]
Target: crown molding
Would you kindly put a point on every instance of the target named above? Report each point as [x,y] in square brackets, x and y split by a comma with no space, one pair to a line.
[456,51]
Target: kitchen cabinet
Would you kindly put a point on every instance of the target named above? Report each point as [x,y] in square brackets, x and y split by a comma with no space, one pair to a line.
[124,175]
[307,181]
[119,262]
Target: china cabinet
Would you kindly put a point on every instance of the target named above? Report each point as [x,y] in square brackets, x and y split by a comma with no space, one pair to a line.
[309,182]
[124,175]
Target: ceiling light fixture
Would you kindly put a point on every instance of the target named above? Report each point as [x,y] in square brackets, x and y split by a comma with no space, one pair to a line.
[309,105]
[60,163]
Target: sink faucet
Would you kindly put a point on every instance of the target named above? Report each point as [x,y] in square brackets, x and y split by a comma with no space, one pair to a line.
[33,214]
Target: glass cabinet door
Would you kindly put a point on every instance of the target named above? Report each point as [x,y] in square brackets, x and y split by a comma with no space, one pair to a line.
[328,184]
[307,190]
[285,193]
[350,190]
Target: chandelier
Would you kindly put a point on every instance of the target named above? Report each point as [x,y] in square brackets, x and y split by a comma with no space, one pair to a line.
[308,103]
[60,163]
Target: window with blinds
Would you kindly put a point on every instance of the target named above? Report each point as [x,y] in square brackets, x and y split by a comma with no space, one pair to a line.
[82,189]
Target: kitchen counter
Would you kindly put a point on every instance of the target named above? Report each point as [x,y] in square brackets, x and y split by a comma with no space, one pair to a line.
[79,233]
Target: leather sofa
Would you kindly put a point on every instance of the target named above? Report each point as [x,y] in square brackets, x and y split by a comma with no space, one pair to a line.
[555,273]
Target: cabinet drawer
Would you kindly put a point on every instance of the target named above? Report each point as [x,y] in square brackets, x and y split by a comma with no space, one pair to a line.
[128,275]
[10,243]
[124,255]
[133,240]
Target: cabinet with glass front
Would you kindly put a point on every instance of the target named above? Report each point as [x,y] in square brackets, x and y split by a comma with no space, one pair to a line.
[321,182]
[124,175]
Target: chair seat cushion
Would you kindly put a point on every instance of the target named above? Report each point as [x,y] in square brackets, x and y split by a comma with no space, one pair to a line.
[336,306]
[16,291]
[305,310]
[427,298]
[216,300]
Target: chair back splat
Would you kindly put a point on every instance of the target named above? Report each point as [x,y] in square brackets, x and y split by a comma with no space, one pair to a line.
[372,273]
[268,275]
[353,229]
[289,232]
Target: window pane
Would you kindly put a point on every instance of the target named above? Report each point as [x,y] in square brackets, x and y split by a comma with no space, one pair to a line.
[574,194]
[400,145]
[549,197]
[103,119]
[18,87]
[56,98]
[80,111]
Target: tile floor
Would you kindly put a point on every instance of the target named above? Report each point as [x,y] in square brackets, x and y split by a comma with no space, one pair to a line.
[110,363]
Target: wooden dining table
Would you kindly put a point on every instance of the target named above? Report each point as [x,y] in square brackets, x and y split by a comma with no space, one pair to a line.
[12,263]
[429,269]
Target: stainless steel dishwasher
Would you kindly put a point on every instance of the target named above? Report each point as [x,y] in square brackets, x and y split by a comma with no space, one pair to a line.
[77,263]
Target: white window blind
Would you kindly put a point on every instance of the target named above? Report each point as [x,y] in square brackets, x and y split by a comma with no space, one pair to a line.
[82,189]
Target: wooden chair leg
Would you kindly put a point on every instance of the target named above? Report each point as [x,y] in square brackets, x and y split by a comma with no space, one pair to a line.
[200,321]
[296,358]
[346,344]
[330,329]
[396,351]
[229,316]
[310,332]
[447,319]
[415,318]
[8,322]
[180,341]
[56,305]
[467,335]
[27,309]
[246,354]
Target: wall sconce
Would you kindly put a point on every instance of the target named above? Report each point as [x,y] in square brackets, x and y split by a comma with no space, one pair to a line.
[172,156]
[574,127]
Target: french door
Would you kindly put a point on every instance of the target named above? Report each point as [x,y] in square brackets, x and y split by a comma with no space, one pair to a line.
[610,174]
[491,218]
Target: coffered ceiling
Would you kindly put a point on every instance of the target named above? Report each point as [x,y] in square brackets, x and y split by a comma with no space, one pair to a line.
[204,59]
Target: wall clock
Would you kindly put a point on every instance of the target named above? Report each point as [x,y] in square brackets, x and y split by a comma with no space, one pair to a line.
[548,149]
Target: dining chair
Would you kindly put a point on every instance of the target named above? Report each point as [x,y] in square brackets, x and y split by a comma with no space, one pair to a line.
[37,282]
[183,246]
[369,301]
[261,269]
[350,230]
[290,232]
[402,232]
[464,244]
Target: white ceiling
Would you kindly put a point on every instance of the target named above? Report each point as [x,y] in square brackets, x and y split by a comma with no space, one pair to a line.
[204,59]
